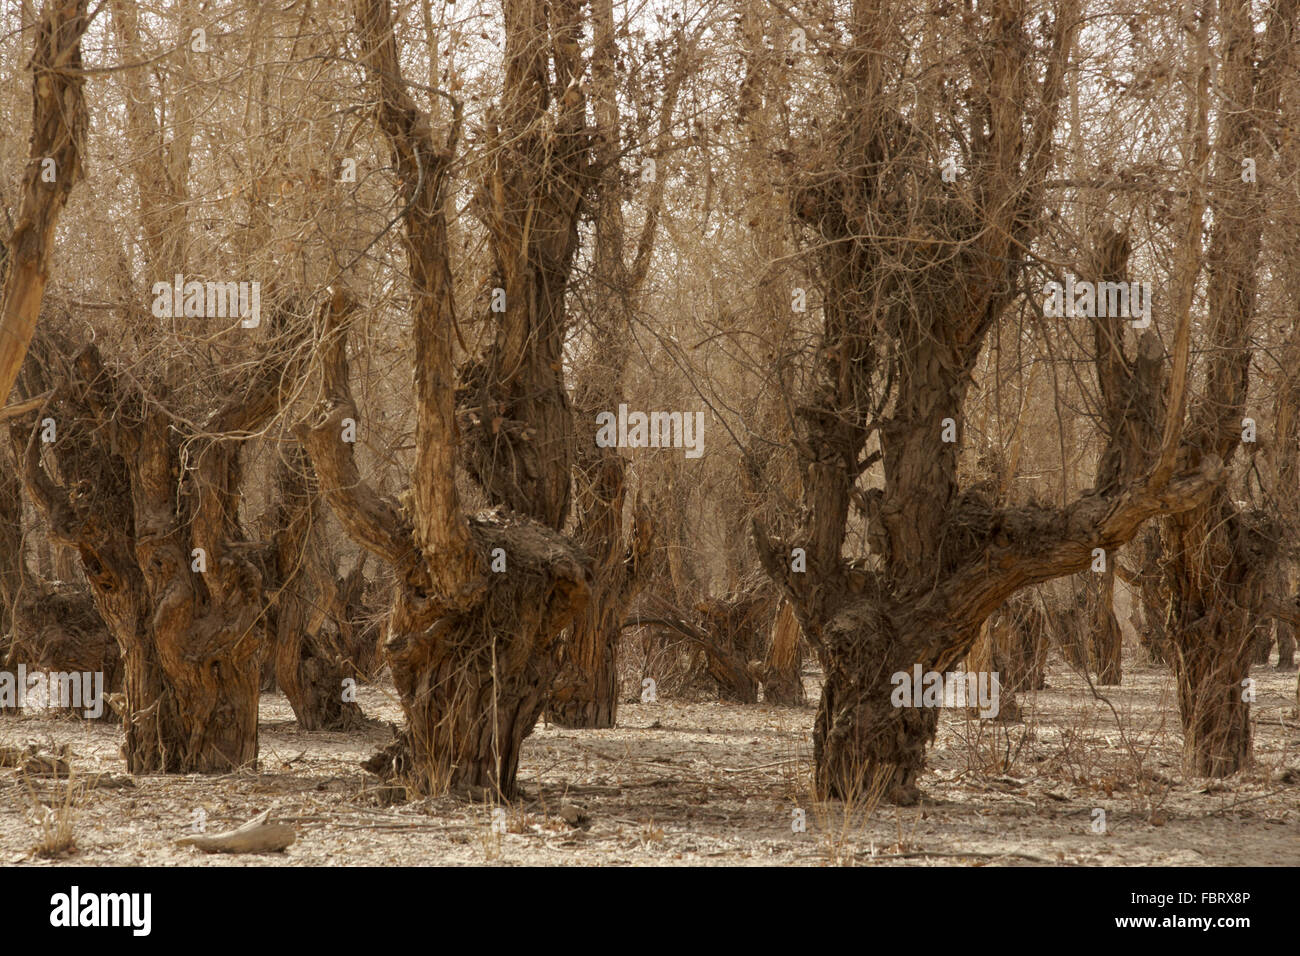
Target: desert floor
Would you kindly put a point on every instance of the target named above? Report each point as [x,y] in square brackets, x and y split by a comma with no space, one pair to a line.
[700,783]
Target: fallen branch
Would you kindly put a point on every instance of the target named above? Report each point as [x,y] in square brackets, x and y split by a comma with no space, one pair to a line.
[973,855]
[256,836]
[689,631]
[22,408]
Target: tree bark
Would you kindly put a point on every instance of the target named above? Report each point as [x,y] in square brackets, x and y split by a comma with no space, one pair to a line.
[586,688]
[519,436]
[782,672]
[190,639]
[310,661]
[586,693]
[1013,645]
[473,652]
[1213,551]
[1105,638]
[59,121]
[11,551]
[1153,597]
[1285,646]
[101,525]
[907,306]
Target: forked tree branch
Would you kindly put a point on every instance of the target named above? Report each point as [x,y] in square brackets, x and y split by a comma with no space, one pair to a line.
[374,522]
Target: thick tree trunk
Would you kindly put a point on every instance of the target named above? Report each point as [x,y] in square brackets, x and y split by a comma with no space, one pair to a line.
[1153,597]
[586,690]
[1069,622]
[1211,636]
[1261,638]
[202,715]
[782,673]
[1285,646]
[310,665]
[1218,556]
[1013,645]
[863,746]
[102,527]
[472,686]
[473,652]
[205,625]
[1212,659]
[1106,638]
[173,576]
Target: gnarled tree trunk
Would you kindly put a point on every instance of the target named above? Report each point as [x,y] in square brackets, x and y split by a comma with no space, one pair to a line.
[474,651]
[310,663]
[586,689]
[172,574]
[1213,551]
[782,670]
[907,306]
[1105,637]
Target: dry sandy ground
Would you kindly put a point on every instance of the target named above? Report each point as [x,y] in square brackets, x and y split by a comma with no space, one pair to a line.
[681,783]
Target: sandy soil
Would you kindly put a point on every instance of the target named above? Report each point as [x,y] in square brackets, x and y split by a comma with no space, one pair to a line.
[681,783]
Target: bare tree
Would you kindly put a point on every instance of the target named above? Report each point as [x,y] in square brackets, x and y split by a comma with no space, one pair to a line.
[586,693]
[473,652]
[914,277]
[1215,572]
[152,505]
